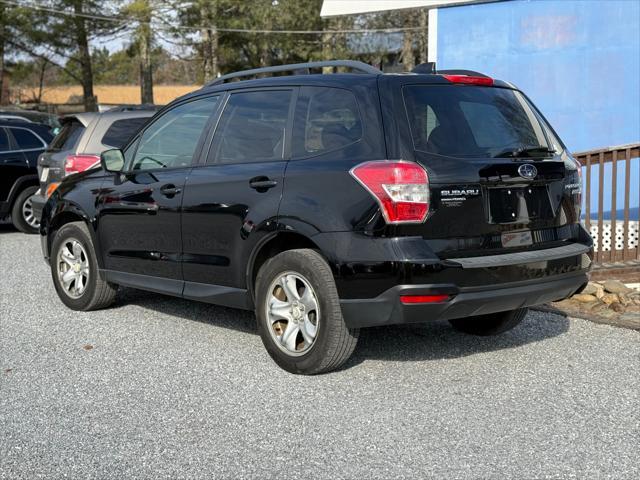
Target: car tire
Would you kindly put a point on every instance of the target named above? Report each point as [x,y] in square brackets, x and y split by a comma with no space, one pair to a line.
[490,324]
[22,215]
[74,270]
[299,316]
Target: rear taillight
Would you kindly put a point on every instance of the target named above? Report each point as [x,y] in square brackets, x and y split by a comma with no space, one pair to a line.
[469,80]
[401,188]
[577,190]
[79,163]
[578,168]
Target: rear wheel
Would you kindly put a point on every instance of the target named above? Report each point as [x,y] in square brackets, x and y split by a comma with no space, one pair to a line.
[299,316]
[74,269]
[490,324]
[22,215]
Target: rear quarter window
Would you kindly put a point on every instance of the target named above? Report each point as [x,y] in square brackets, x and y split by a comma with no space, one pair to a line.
[68,136]
[26,140]
[4,141]
[120,131]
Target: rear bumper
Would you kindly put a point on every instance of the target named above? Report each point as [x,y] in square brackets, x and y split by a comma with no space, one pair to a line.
[37,203]
[387,309]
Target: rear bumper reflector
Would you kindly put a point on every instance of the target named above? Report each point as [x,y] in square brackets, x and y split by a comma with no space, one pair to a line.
[410,299]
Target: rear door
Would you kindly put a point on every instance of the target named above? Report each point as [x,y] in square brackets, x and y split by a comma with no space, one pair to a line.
[13,164]
[139,210]
[30,144]
[231,201]
[499,177]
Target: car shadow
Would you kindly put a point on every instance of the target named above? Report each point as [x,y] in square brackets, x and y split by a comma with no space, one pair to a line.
[7,227]
[438,340]
[427,341]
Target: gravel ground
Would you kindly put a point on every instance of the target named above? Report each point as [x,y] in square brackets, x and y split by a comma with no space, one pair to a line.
[161,387]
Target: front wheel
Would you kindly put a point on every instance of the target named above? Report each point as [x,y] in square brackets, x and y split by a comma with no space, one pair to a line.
[74,269]
[491,323]
[299,316]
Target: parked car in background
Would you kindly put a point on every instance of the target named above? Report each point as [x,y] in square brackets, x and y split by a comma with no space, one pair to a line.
[20,145]
[82,138]
[49,119]
[8,118]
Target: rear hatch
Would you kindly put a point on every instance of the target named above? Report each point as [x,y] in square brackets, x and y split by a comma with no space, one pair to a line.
[500,180]
[51,162]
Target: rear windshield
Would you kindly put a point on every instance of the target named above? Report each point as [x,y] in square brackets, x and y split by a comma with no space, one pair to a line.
[68,136]
[470,121]
[121,131]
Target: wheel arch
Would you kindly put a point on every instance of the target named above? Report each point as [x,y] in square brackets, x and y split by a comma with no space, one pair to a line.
[69,215]
[19,185]
[276,243]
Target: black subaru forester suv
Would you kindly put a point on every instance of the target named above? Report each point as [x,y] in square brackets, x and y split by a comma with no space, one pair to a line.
[327,203]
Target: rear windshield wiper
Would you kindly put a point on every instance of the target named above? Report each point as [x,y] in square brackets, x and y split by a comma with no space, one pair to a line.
[525,152]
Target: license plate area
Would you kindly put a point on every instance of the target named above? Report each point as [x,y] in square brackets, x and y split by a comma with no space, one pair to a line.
[517,239]
[519,205]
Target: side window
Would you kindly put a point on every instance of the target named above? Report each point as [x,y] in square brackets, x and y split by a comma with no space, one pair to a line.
[26,140]
[171,140]
[252,128]
[4,141]
[326,119]
[122,130]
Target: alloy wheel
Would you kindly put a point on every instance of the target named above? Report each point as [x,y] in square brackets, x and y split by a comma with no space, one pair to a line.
[73,268]
[292,313]
[28,214]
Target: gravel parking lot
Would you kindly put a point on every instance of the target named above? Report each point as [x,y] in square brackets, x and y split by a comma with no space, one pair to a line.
[161,387]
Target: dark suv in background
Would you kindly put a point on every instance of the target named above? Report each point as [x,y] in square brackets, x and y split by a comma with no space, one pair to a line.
[20,145]
[328,203]
[83,136]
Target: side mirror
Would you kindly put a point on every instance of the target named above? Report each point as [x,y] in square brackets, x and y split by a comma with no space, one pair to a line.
[112,160]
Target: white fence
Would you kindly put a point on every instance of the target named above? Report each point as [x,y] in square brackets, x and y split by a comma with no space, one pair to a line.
[616,240]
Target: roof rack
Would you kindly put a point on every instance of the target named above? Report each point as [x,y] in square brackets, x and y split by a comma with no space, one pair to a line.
[428,67]
[131,108]
[299,68]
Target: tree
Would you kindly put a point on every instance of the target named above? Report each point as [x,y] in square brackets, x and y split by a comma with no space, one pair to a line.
[407,57]
[219,51]
[84,56]
[141,10]
[2,44]
[423,35]
[51,37]
[209,33]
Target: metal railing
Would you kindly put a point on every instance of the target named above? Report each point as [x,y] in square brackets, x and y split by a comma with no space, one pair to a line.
[622,243]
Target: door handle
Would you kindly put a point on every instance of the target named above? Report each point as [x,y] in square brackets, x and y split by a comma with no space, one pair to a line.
[262,183]
[169,190]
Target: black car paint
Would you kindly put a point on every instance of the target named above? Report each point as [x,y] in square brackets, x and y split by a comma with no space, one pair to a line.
[201,243]
[18,167]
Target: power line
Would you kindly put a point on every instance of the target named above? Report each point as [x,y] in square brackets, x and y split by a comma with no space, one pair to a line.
[127,20]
